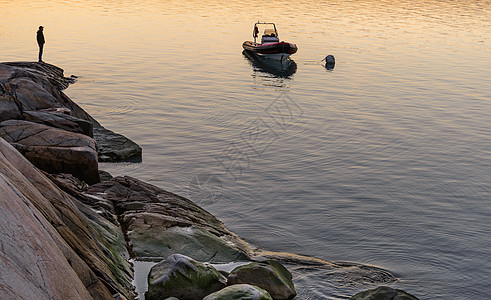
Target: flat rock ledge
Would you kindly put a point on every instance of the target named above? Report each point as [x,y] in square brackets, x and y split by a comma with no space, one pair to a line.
[53,150]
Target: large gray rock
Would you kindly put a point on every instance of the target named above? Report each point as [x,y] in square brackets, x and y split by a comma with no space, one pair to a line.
[53,150]
[383,293]
[269,275]
[102,270]
[26,86]
[32,266]
[240,292]
[60,121]
[159,223]
[184,278]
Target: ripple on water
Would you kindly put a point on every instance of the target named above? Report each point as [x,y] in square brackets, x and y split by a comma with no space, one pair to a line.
[388,162]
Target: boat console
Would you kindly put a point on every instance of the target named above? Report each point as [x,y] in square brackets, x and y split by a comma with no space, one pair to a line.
[269,39]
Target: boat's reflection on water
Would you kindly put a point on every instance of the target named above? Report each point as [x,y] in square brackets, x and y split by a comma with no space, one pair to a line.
[278,68]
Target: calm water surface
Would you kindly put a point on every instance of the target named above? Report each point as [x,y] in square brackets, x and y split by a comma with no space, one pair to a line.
[385,160]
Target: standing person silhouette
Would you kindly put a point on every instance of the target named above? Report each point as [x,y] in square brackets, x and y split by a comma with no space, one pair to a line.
[40,38]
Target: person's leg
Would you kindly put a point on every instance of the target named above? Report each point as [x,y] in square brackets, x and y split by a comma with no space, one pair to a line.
[41,53]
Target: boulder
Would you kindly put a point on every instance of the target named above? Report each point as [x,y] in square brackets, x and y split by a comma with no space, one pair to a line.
[159,223]
[53,150]
[269,275]
[60,120]
[240,292]
[184,278]
[383,293]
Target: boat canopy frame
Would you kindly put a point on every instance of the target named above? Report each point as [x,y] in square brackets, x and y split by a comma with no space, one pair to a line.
[255,31]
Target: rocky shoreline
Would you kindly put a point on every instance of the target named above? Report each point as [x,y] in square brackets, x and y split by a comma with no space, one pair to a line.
[69,230]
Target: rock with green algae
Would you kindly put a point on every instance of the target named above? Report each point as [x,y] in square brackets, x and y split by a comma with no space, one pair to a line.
[184,278]
[240,292]
[109,238]
[383,293]
[194,241]
[159,223]
[269,275]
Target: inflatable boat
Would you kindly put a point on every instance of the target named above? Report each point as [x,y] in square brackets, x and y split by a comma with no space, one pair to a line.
[270,45]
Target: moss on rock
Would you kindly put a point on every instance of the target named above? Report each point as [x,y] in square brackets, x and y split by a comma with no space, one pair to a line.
[240,292]
[383,293]
[183,277]
[269,275]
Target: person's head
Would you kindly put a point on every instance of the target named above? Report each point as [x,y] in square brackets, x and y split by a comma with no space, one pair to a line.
[41,28]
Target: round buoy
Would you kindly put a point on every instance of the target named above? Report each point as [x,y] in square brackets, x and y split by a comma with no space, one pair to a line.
[330,61]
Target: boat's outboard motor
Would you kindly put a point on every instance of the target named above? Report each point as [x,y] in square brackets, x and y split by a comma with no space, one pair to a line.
[329,62]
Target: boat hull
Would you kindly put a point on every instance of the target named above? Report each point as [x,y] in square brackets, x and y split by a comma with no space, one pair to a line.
[277,51]
[278,68]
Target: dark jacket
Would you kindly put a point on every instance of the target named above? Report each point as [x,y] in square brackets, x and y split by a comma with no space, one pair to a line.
[40,37]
